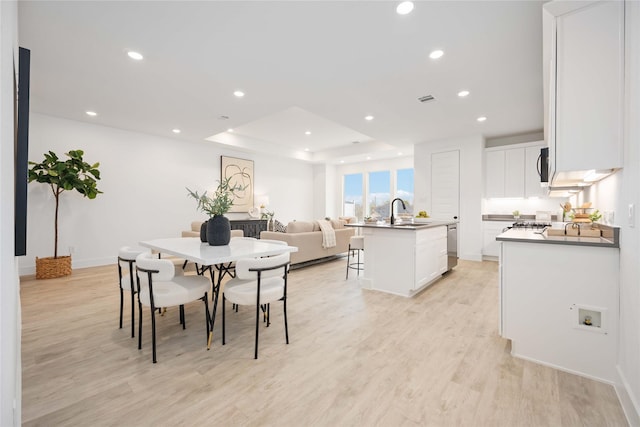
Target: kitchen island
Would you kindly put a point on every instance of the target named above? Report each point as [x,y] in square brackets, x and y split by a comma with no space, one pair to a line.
[403,259]
[559,300]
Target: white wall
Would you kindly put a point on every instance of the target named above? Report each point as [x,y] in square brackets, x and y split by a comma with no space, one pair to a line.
[143,180]
[10,366]
[471,188]
[629,193]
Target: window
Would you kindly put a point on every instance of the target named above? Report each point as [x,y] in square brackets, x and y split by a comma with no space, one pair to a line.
[353,190]
[379,195]
[379,189]
[404,189]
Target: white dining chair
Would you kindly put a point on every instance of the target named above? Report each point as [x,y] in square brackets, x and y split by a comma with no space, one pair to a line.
[160,286]
[258,281]
[127,258]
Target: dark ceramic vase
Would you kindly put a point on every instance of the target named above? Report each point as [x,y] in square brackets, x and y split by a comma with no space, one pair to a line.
[203,231]
[218,231]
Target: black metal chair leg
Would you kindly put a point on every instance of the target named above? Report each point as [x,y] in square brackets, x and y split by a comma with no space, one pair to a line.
[153,333]
[206,312]
[139,324]
[121,306]
[224,301]
[348,260]
[257,324]
[286,327]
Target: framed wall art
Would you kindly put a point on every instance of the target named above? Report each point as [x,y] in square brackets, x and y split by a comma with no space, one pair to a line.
[241,172]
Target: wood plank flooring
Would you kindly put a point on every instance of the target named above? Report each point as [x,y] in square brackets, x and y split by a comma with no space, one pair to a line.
[355,358]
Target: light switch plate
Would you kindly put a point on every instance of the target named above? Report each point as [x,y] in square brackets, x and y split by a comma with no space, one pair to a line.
[632,215]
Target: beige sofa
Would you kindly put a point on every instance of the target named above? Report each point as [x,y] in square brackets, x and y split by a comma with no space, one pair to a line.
[195,231]
[307,237]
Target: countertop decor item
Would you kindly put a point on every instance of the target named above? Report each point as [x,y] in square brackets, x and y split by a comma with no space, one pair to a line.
[71,174]
[218,231]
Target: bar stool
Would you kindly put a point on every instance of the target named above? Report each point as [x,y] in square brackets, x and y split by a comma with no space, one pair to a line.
[356,243]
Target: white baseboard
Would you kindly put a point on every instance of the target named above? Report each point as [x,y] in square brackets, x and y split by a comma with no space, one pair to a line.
[471,256]
[627,399]
[30,269]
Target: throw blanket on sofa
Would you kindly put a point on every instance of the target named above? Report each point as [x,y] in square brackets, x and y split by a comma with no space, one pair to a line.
[328,234]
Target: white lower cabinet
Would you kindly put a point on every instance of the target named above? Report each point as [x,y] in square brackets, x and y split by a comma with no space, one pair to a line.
[560,306]
[490,230]
[403,262]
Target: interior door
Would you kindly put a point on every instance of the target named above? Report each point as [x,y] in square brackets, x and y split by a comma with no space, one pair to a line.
[445,185]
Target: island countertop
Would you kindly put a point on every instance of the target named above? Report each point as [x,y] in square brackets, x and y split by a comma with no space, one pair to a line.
[402,225]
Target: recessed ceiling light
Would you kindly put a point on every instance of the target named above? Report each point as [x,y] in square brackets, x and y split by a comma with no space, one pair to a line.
[229,130]
[341,161]
[463,93]
[481,119]
[368,157]
[399,153]
[369,118]
[239,93]
[404,8]
[436,54]
[176,130]
[91,113]
[308,132]
[306,149]
[135,55]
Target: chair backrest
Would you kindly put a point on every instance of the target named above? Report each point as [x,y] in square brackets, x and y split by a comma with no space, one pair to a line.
[147,261]
[128,253]
[243,266]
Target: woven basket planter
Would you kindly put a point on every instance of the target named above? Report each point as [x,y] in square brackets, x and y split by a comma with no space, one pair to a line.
[50,268]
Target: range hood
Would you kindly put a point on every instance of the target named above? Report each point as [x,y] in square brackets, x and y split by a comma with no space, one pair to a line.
[565,191]
[579,178]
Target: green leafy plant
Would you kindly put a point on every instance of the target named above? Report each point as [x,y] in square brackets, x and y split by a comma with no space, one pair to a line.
[516,213]
[71,174]
[595,216]
[268,215]
[221,201]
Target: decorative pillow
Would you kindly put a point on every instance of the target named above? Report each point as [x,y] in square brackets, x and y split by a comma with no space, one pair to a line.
[279,227]
[299,227]
[316,226]
[337,223]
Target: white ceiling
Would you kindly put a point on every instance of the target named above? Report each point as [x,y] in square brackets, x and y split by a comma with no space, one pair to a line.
[319,66]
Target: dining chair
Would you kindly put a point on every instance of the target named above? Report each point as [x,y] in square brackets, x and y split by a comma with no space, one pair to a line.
[160,286]
[258,281]
[127,257]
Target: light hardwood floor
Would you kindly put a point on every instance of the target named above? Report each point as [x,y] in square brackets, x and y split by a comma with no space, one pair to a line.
[356,358]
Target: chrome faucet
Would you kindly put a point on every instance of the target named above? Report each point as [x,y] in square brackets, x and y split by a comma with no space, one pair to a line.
[392,220]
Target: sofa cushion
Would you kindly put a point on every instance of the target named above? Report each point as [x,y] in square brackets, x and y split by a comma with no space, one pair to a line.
[300,227]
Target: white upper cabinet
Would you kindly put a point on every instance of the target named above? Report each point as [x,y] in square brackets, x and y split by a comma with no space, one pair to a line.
[532,186]
[512,171]
[584,81]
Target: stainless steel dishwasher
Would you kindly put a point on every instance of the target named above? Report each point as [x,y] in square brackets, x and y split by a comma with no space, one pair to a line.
[452,246]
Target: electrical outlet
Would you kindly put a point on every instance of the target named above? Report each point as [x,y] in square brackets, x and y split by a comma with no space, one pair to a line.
[632,215]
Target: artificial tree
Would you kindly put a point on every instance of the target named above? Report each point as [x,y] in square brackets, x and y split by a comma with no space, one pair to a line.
[71,174]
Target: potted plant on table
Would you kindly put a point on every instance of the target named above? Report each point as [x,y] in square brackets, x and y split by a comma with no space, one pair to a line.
[71,174]
[218,228]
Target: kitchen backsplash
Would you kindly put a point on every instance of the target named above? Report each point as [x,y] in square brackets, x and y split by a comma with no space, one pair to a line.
[524,206]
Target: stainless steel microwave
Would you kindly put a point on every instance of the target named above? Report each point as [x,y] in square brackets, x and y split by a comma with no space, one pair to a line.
[543,166]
